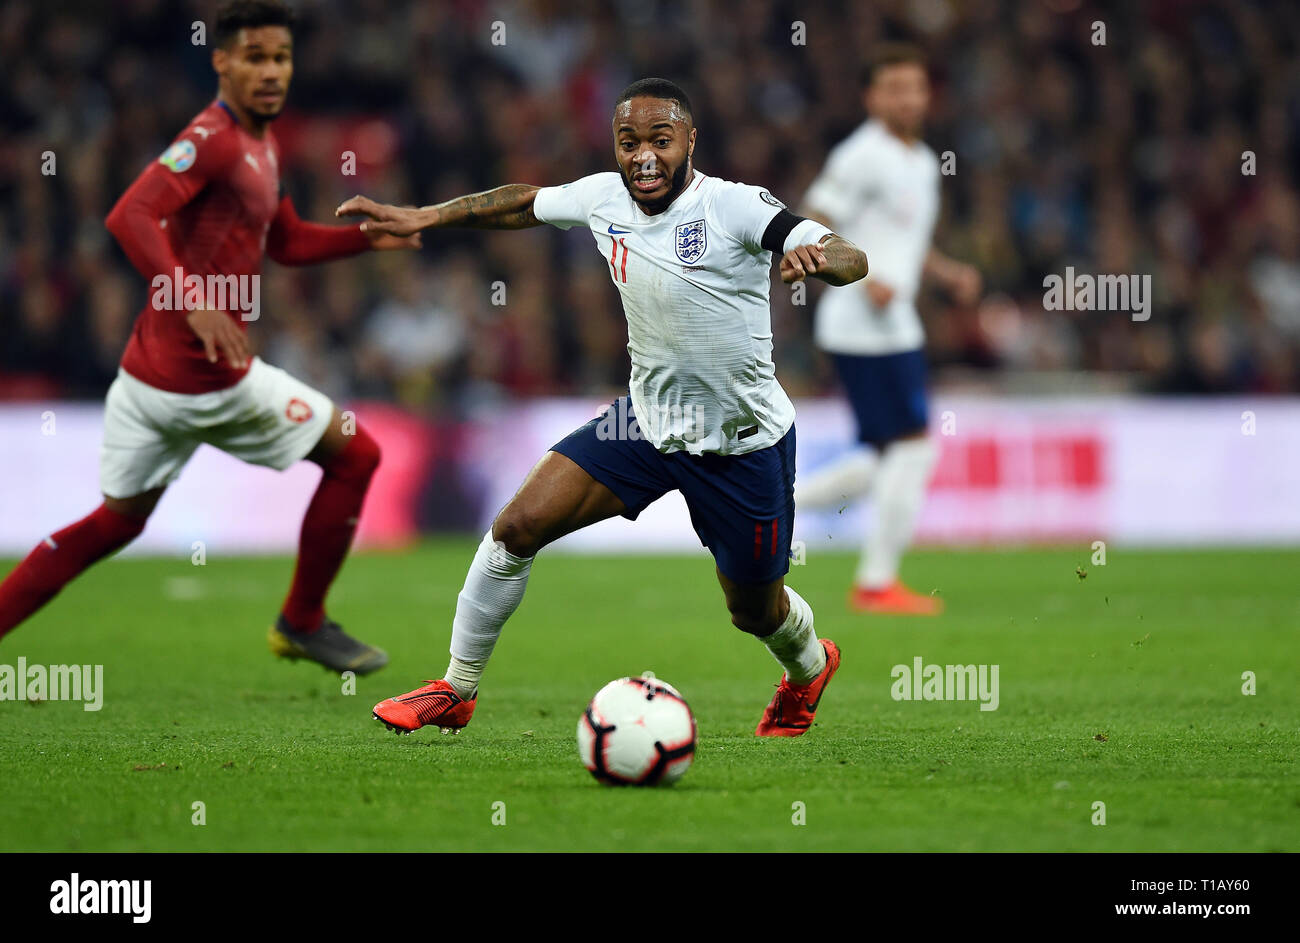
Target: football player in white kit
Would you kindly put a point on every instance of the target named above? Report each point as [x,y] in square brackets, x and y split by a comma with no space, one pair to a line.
[880,188]
[691,258]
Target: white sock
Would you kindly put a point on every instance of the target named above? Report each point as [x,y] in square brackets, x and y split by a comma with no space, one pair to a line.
[839,482]
[899,494]
[493,590]
[795,643]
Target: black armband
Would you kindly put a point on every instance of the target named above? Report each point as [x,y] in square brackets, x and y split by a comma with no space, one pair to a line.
[778,229]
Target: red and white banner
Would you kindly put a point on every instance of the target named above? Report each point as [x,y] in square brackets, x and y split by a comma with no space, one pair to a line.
[1128,470]
[49,477]
[1131,470]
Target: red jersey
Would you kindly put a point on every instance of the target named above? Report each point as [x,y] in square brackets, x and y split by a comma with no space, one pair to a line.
[209,206]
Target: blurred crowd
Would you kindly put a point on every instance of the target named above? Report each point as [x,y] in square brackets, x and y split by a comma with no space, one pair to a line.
[1171,149]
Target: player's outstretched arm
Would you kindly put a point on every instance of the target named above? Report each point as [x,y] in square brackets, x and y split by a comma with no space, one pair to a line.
[834,260]
[293,241]
[508,207]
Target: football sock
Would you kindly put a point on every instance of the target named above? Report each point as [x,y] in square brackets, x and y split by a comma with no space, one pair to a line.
[795,643]
[60,557]
[840,482]
[327,529]
[899,494]
[493,590]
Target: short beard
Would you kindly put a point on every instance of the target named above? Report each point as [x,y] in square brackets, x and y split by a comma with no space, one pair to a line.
[261,118]
[676,184]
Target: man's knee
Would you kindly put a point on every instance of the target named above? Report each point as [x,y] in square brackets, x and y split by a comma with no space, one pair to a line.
[116,522]
[136,508]
[753,622]
[759,612]
[519,530]
[358,459]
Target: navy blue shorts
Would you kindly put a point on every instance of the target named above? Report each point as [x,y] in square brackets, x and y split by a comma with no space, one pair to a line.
[742,506]
[887,393]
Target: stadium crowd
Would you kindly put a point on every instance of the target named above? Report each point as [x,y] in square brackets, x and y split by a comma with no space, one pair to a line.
[1171,149]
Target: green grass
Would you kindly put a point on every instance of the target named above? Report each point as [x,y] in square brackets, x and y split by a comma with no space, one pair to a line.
[1124,688]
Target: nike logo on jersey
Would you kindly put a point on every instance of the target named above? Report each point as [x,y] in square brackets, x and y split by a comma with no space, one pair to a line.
[617,232]
[201,131]
[252,161]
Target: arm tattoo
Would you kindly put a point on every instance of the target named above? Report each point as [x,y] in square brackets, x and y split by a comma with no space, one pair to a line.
[845,262]
[508,207]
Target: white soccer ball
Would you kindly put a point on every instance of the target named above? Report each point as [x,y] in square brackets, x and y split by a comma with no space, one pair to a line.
[637,731]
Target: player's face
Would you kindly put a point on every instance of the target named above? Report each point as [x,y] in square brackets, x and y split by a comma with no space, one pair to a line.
[899,95]
[653,143]
[256,69]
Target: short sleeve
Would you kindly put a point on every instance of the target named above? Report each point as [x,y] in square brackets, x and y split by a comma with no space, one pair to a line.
[568,205]
[842,175]
[744,212]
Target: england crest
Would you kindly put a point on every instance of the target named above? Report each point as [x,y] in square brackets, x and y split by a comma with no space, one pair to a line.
[690,241]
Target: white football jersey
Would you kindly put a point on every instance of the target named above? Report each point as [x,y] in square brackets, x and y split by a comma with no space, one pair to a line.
[694,282]
[883,196]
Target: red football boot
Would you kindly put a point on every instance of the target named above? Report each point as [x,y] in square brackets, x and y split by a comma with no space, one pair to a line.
[436,703]
[792,709]
[895,599]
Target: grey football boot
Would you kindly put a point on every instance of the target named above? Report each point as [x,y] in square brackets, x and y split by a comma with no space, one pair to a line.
[329,646]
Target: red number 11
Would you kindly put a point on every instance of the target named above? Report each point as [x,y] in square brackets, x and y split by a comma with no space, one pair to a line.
[613,258]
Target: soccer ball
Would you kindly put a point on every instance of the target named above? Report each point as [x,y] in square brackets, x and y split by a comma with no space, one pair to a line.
[637,731]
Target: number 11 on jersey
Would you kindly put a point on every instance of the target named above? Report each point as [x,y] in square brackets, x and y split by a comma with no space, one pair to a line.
[620,271]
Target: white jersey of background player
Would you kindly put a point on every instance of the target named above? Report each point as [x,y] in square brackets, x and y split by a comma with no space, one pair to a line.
[880,189]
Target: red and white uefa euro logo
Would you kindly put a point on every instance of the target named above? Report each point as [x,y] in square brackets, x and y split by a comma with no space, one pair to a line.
[297,410]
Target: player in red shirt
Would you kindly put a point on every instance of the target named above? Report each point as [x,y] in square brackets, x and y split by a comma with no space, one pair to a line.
[196,224]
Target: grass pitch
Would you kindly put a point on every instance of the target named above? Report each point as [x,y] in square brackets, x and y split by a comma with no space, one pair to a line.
[1124,687]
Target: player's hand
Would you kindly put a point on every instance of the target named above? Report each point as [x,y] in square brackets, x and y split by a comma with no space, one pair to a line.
[381,241]
[220,337]
[384,217]
[879,293]
[965,284]
[800,262]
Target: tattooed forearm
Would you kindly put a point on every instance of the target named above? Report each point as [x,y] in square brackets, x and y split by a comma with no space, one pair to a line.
[508,207]
[845,262]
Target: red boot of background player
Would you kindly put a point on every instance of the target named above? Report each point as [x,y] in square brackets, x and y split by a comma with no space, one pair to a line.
[895,599]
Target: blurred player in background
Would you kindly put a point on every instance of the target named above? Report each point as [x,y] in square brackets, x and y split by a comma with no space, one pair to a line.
[210,206]
[880,188]
[691,258]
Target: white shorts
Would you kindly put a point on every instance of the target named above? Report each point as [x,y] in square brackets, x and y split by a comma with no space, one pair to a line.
[267,418]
